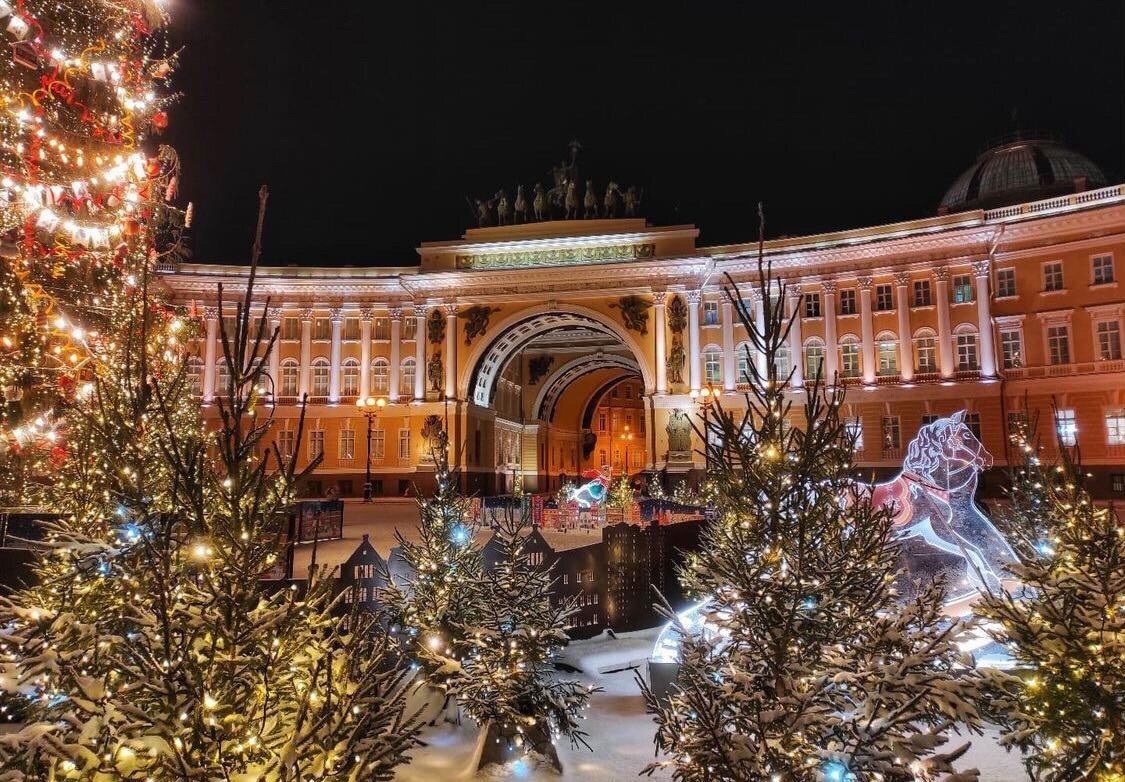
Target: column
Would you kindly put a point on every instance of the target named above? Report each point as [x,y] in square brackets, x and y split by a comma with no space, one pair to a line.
[866,330]
[796,341]
[209,350]
[396,353]
[420,339]
[730,376]
[306,353]
[760,327]
[450,351]
[334,370]
[658,305]
[905,349]
[945,333]
[364,353]
[831,341]
[693,298]
[275,354]
[984,320]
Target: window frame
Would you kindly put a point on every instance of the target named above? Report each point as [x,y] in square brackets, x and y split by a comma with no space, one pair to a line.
[1053,277]
[1003,277]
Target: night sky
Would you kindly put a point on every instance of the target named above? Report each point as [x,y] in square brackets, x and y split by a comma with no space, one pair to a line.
[371,121]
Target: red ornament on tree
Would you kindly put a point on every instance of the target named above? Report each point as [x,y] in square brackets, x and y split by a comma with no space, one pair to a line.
[130,227]
[160,120]
[152,166]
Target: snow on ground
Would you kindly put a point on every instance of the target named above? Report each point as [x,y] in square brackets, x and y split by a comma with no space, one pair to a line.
[619,730]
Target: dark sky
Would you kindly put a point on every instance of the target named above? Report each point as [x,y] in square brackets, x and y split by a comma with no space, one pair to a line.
[371,121]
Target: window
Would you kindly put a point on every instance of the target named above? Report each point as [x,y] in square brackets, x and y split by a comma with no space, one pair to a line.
[1058,344]
[781,361]
[286,442]
[404,445]
[972,420]
[967,353]
[1053,276]
[535,558]
[601,421]
[1005,283]
[350,386]
[743,363]
[1011,348]
[380,377]
[922,296]
[925,352]
[853,428]
[814,360]
[378,444]
[381,329]
[962,289]
[1103,269]
[409,328]
[316,443]
[888,357]
[320,371]
[849,359]
[290,328]
[347,443]
[406,378]
[195,375]
[847,302]
[351,328]
[322,328]
[1066,422]
[1115,427]
[712,366]
[812,305]
[290,374]
[602,457]
[1117,482]
[710,313]
[222,379]
[929,418]
[1018,424]
[628,420]
[884,298]
[892,434]
[1109,340]
[628,392]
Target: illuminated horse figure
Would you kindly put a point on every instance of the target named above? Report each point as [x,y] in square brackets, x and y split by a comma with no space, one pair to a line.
[593,493]
[933,505]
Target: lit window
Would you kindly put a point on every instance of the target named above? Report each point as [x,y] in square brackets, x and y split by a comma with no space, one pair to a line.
[922,296]
[1109,340]
[962,289]
[1115,427]
[712,367]
[967,353]
[290,328]
[1005,282]
[744,363]
[1053,276]
[378,444]
[849,359]
[406,378]
[812,305]
[847,302]
[222,379]
[892,434]
[925,353]
[888,357]
[710,313]
[814,361]
[1058,344]
[404,445]
[601,422]
[322,328]
[286,442]
[1103,269]
[290,374]
[884,299]
[781,362]
[972,420]
[320,370]
[380,377]
[351,328]
[853,428]
[1067,424]
[381,328]
[347,443]
[350,386]
[1117,482]
[316,443]
[1011,347]
[409,328]
[195,375]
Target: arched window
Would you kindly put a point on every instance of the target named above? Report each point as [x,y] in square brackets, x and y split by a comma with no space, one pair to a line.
[925,351]
[851,364]
[222,379]
[320,370]
[743,354]
[290,374]
[782,362]
[195,375]
[814,358]
[380,377]
[406,378]
[886,346]
[712,365]
[350,384]
[967,354]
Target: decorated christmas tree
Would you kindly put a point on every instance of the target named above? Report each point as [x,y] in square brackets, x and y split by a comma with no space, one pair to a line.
[84,209]
[805,665]
[620,493]
[506,679]
[1065,627]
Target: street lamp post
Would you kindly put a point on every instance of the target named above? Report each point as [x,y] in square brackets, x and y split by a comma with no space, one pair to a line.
[369,408]
[626,437]
[703,397]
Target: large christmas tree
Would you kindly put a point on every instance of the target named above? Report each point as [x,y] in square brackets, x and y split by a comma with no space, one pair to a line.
[1065,627]
[808,666]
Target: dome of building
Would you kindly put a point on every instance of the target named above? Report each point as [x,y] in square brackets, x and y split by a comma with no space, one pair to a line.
[1022,169]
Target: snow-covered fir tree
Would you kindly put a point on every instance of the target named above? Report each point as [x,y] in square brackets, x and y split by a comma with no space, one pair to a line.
[808,666]
[1065,628]
[150,644]
[506,680]
[620,493]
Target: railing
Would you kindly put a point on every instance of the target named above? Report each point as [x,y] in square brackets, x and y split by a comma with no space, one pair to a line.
[1065,370]
[165,267]
[888,380]
[967,374]
[1113,193]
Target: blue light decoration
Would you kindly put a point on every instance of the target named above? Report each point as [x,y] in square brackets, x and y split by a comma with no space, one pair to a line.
[460,534]
[835,771]
[595,491]
[939,527]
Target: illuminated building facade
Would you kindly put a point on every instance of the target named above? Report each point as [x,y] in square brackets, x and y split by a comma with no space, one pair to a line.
[516,336]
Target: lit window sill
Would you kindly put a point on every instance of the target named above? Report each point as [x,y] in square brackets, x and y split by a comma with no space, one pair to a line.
[1012,297]
[848,314]
[808,318]
[962,303]
[923,307]
[1057,292]
[1097,286]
